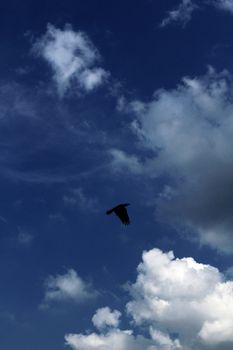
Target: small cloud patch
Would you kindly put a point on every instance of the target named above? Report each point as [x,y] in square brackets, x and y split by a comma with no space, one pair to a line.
[67,287]
[73,59]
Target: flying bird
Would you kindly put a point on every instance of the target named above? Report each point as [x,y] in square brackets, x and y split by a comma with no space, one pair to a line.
[121,211]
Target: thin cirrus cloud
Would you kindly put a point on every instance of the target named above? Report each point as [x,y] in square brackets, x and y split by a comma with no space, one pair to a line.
[166,292]
[67,287]
[73,59]
[77,197]
[190,131]
[43,124]
[183,13]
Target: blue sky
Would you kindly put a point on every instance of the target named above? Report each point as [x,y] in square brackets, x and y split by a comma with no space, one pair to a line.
[103,103]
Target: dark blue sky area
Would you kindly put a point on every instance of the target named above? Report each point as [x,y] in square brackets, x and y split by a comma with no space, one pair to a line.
[128,37]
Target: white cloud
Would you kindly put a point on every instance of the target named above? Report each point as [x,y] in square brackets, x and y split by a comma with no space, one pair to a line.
[67,287]
[72,57]
[183,297]
[136,106]
[121,161]
[104,317]
[171,296]
[182,14]
[117,339]
[185,9]
[190,131]
[91,78]
[164,341]
[114,339]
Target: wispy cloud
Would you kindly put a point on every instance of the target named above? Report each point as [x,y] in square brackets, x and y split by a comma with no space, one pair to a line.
[72,57]
[14,102]
[7,316]
[25,238]
[121,161]
[77,197]
[31,131]
[182,14]
[226,5]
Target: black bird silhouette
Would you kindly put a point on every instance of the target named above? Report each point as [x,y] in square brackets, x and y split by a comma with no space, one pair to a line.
[121,212]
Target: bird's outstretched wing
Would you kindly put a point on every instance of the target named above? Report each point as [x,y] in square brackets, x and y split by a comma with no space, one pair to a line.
[121,211]
[122,214]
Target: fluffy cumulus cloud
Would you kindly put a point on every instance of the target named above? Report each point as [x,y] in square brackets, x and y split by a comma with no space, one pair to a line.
[183,297]
[72,57]
[67,287]
[115,339]
[175,304]
[104,317]
[190,132]
[182,14]
[110,336]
